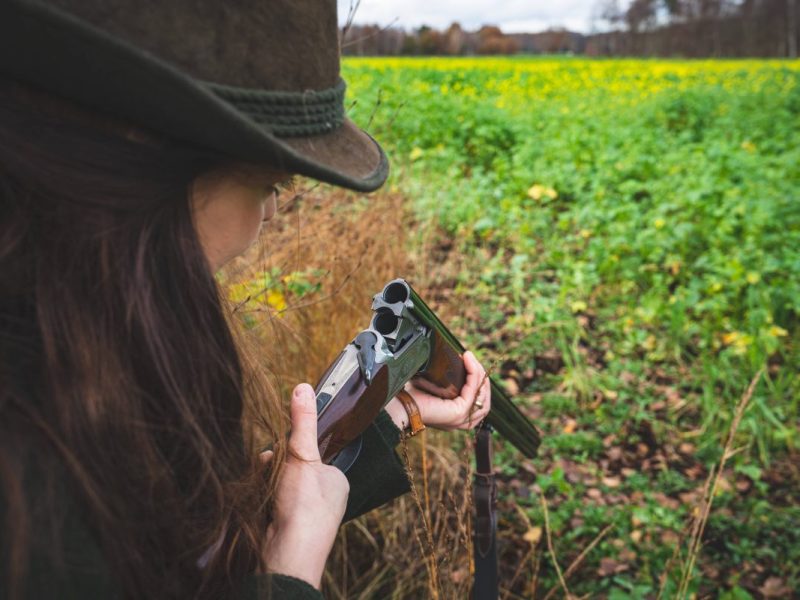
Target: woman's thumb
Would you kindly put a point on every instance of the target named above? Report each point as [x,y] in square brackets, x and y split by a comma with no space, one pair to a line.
[303,438]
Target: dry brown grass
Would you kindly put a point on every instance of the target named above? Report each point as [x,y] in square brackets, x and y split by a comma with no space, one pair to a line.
[355,251]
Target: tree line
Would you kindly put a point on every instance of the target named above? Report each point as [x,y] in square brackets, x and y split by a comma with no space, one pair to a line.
[689,28]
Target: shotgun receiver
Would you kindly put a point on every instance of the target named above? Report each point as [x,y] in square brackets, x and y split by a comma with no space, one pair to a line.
[405,341]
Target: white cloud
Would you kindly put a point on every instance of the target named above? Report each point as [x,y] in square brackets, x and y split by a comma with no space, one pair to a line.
[509,15]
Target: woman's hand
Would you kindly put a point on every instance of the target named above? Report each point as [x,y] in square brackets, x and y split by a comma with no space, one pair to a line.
[310,500]
[464,412]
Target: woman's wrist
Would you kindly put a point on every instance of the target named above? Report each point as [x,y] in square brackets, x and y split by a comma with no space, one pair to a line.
[408,415]
[397,413]
[298,556]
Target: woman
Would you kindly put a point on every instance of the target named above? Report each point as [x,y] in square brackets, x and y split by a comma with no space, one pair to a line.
[135,161]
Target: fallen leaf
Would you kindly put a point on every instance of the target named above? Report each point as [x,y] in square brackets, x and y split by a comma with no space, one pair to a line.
[710,571]
[612,482]
[614,453]
[511,385]
[627,555]
[533,535]
[694,472]
[570,426]
[774,587]
[669,537]
[610,566]
[724,485]
[666,501]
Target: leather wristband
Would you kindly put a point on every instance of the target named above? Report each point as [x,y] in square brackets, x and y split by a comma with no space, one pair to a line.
[412,410]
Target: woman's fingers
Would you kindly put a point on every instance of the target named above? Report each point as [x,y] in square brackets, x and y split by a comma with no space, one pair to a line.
[303,438]
[480,409]
[475,374]
[474,392]
[463,412]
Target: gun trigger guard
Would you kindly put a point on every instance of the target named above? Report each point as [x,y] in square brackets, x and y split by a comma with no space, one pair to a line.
[348,455]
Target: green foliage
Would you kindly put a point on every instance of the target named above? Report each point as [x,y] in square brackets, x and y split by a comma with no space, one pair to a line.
[660,196]
[641,220]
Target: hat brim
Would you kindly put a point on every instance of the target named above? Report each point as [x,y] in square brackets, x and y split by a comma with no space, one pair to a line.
[67,57]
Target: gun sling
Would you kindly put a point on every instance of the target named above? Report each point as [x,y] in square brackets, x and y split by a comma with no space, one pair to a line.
[484,494]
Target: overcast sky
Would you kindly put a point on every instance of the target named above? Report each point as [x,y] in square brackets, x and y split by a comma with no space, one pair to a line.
[509,15]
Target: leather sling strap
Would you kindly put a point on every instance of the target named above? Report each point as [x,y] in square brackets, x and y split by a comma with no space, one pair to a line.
[484,494]
[412,410]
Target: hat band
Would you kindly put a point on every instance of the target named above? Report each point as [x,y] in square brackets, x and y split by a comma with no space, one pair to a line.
[288,114]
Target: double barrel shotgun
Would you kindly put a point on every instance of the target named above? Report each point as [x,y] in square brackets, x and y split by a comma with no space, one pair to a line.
[404,342]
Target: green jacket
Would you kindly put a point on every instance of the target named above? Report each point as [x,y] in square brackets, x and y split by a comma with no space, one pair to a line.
[376,477]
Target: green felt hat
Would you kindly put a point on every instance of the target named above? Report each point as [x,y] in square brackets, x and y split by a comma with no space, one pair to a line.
[257,80]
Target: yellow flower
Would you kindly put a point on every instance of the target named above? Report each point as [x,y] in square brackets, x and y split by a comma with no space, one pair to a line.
[659,223]
[416,153]
[738,341]
[730,337]
[776,331]
[753,277]
[276,300]
[538,191]
[585,233]
[578,306]
[238,293]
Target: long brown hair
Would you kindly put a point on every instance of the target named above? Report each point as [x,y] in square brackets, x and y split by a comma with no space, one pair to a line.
[121,381]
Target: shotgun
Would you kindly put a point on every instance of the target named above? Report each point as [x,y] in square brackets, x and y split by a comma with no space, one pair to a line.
[405,341]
